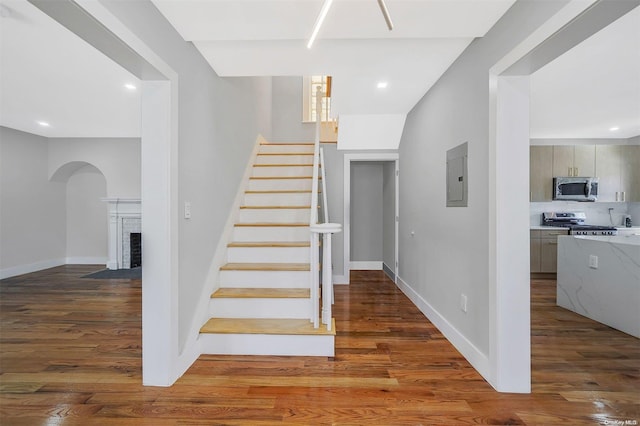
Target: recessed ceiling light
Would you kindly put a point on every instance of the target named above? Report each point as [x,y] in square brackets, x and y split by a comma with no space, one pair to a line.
[130,86]
[614,128]
[382,85]
[43,123]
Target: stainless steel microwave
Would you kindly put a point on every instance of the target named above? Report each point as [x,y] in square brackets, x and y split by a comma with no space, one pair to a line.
[575,188]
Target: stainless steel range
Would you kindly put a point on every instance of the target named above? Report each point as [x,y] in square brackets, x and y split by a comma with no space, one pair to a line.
[575,222]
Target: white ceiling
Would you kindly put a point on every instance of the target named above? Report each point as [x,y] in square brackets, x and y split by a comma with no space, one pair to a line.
[593,87]
[269,37]
[49,74]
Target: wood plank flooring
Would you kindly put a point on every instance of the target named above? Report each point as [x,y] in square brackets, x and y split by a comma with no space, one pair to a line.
[70,354]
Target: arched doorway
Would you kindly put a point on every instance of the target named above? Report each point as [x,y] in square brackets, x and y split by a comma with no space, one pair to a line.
[86,213]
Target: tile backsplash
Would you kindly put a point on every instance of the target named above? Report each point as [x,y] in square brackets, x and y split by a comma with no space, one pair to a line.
[597,213]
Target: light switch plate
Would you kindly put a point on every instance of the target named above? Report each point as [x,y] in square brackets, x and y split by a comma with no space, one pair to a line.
[593,261]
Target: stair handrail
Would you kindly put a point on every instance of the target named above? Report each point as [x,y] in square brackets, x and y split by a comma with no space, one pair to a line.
[325,228]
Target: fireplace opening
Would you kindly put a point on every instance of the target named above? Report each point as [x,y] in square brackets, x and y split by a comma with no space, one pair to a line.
[135,246]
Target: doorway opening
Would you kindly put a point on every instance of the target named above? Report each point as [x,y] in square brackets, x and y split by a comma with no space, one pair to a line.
[510,354]
[371,212]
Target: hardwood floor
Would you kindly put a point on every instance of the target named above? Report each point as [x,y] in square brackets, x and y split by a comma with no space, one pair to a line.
[71,355]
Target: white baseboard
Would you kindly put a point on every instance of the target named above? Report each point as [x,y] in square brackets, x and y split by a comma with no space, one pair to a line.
[189,355]
[340,280]
[87,260]
[366,265]
[476,358]
[389,272]
[31,267]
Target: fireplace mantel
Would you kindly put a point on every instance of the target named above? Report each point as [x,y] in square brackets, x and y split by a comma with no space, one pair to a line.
[124,218]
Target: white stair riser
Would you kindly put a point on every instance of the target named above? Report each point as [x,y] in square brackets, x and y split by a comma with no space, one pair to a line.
[274,215]
[277,199]
[265,279]
[267,344]
[260,308]
[284,159]
[283,171]
[286,148]
[271,233]
[279,184]
[268,254]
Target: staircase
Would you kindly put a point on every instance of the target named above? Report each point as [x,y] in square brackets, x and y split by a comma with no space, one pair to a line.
[263,305]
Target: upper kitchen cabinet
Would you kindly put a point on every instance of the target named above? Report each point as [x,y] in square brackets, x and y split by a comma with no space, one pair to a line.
[540,173]
[574,160]
[630,180]
[618,170]
[609,172]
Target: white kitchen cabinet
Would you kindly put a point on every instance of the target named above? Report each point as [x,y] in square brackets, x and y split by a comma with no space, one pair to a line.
[543,245]
[574,160]
[540,173]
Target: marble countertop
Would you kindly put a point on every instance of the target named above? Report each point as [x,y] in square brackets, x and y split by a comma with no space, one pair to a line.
[633,240]
[559,228]
[547,228]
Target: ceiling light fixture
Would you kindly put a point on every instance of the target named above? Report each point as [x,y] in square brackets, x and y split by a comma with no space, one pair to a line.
[382,85]
[130,86]
[43,123]
[614,129]
[325,10]
[319,21]
[385,13]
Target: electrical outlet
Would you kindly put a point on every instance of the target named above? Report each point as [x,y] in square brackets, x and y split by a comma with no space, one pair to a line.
[463,303]
[187,210]
[593,261]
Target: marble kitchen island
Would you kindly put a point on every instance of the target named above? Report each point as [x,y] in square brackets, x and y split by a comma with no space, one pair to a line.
[599,278]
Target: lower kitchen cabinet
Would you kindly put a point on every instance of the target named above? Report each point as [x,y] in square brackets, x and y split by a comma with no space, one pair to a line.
[543,245]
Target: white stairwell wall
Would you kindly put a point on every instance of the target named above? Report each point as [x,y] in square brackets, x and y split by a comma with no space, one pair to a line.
[261,300]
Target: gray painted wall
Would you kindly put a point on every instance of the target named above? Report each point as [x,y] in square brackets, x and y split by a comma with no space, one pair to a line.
[32,209]
[366,211]
[389,214]
[219,120]
[87,218]
[118,159]
[78,190]
[287,125]
[447,255]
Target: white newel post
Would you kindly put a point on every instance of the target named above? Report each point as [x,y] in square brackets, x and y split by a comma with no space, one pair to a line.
[326,229]
[124,218]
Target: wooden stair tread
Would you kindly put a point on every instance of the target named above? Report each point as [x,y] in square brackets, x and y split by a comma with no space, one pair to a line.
[273,224]
[276,207]
[279,191]
[287,143]
[270,244]
[281,177]
[284,165]
[266,326]
[285,153]
[262,293]
[266,267]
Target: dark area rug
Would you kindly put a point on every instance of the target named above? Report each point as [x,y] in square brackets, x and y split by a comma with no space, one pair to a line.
[115,274]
